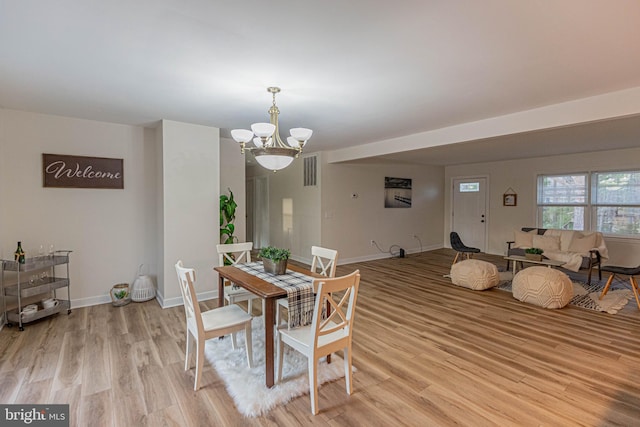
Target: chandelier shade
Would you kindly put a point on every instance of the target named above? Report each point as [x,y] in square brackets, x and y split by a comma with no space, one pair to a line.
[273,158]
[263,130]
[270,152]
[242,135]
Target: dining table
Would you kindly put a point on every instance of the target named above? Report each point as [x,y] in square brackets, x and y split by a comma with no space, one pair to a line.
[269,293]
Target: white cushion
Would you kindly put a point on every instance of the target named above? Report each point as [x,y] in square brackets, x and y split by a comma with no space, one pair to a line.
[565,236]
[523,239]
[583,244]
[475,274]
[546,243]
[542,286]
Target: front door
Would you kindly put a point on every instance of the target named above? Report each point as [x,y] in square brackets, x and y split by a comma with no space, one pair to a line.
[469,215]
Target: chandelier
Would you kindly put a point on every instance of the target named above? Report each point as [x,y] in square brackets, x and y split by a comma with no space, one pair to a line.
[270,152]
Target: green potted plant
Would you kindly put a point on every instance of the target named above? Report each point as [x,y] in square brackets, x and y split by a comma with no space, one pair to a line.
[533,253]
[227,215]
[274,259]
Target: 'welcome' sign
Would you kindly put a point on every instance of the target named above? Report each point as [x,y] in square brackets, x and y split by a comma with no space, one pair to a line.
[81,172]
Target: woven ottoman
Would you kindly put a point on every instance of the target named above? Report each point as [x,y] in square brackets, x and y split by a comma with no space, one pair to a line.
[542,286]
[475,274]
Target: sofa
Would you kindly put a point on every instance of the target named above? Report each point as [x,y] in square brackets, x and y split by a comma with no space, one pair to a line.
[577,249]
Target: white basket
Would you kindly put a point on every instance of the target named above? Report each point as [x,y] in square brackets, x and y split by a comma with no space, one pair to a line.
[142,289]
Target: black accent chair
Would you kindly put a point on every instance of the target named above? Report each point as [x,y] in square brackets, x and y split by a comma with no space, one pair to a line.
[624,271]
[460,248]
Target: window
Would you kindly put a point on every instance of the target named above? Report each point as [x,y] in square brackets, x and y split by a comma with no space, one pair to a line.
[616,202]
[608,202]
[469,187]
[562,201]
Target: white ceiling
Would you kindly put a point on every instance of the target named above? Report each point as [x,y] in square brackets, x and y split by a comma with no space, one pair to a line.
[356,71]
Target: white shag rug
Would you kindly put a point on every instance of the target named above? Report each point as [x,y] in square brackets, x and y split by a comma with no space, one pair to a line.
[247,386]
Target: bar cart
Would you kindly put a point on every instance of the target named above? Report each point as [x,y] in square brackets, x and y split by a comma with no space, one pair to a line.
[27,286]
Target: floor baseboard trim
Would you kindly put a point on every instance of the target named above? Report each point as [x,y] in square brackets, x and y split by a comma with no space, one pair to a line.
[177,301]
[383,255]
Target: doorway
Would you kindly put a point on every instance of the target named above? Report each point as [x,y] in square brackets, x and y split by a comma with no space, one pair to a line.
[257,200]
[469,216]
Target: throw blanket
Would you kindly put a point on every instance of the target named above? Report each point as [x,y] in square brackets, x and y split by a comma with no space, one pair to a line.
[299,289]
[573,260]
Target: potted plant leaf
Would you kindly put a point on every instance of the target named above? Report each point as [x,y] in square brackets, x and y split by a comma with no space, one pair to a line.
[274,259]
[533,254]
[228,208]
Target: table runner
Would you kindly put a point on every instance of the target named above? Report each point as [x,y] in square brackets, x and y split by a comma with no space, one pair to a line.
[299,289]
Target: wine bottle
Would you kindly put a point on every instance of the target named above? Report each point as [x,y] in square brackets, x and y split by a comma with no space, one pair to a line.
[19,254]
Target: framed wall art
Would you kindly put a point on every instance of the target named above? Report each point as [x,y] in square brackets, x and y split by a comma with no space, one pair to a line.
[60,170]
[397,192]
[510,198]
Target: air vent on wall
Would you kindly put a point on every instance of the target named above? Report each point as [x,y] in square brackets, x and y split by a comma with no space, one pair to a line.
[310,171]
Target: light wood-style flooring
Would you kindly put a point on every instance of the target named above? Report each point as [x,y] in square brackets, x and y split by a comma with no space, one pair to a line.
[427,353]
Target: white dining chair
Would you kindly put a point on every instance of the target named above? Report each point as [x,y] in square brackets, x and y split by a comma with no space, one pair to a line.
[324,262]
[209,324]
[325,336]
[236,253]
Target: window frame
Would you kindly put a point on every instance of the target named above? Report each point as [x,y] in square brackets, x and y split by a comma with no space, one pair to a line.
[590,205]
[585,205]
[594,205]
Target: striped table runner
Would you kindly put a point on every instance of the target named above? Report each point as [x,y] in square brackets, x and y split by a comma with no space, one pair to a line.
[299,289]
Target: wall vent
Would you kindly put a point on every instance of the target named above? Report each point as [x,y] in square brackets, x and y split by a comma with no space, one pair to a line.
[310,171]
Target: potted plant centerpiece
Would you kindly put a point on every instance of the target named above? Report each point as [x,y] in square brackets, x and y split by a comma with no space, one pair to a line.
[274,259]
[533,253]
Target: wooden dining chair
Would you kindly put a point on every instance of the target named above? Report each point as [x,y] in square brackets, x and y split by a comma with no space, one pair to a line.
[324,262]
[325,336]
[209,324]
[232,254]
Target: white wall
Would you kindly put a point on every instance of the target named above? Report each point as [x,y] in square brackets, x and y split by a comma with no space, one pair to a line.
[521,176]
[169,208]
[190,197]
[349,224]
[303,229]
[328,216]
[108,230]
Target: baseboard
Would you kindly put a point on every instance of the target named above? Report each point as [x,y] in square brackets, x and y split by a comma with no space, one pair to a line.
[208,295]
[301,259]
[88,302]
[384,255]
[177,301]
[104,299]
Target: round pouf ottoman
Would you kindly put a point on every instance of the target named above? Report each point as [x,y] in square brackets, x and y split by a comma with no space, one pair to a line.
[542,286]
[475,274]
